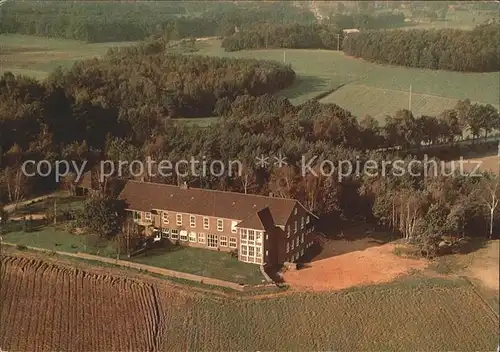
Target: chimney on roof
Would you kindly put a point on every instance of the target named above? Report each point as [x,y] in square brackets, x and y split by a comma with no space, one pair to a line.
[184,185]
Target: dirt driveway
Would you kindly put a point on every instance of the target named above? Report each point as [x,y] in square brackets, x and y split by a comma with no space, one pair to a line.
[369,266]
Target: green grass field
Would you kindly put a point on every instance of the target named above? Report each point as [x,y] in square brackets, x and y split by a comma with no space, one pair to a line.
[378,102]
[51,238]
[409,315]
[38,56]
[368,88]
[202,262]
[455,19]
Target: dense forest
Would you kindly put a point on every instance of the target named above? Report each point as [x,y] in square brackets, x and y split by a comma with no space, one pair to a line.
[285,36]
[307,36]
[106,22]
[367,21]
[447,49]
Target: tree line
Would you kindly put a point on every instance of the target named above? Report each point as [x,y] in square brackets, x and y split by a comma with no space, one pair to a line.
[106,22]
[306,36]
[447,49]
[295,36]
[367,21]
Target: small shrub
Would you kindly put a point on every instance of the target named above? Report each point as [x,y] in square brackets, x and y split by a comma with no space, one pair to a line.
[28,224]
[21,247]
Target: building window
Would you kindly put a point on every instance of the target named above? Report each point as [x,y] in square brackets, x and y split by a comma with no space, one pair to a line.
[147,216]
[192,237]
[288,231]
[184,236]
[297,241]
[295,228]
[302,222]
[220,226]
[206,223]
[223,241]
[251,251]
[307,219]
[174,234]
[164,217]
[258,252]
[244,236]
[287,247]
[267,253]
[232,242]
[137,215]
[244,250]
[178,219]
[295,211]
[165,233]
[302,238]
[293,244]
[192,220]
[258,237]
[201,237]
[267,237]
[234,229]
[212,241]
[251,236]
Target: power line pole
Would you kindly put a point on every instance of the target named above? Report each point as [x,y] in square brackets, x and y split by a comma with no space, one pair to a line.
[498,154]
[409,100]
[55,211]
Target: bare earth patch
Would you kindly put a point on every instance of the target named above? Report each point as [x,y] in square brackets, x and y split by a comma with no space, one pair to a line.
[488,163]
[370,266]
[485,266]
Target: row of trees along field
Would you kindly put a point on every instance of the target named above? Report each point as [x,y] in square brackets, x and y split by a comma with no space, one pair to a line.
[296,36]
[367,21]
[448,49]
[106,22]
[307,36]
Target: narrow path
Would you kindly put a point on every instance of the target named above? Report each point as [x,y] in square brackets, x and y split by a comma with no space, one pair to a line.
[13,206]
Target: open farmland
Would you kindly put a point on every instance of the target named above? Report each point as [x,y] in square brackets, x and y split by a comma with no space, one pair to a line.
[367,87]
[50,308]
[38,56]
[377,102]
[454,19]
[98,309]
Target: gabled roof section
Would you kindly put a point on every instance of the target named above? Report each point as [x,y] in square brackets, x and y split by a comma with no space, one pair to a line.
[251,222]
[145,196]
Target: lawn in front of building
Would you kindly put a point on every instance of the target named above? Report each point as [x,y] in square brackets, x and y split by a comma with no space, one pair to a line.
[203,262]
[51,238]
[198,261]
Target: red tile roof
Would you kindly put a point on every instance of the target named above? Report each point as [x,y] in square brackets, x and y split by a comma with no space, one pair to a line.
[145,196]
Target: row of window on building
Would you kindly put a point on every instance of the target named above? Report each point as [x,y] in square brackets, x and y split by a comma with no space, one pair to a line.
[211,240]
[290,245]
[148,216]
[299,254]
[303,222]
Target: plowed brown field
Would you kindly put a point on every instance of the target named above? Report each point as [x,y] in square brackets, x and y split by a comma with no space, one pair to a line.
[48,307]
